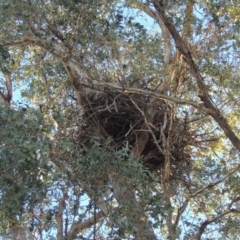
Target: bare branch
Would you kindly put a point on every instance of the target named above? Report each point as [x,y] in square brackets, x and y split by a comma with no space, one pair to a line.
[165,33]
[148,126]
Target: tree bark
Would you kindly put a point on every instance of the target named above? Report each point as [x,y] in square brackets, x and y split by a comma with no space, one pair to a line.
[136,217]
[207,101]
[7,98]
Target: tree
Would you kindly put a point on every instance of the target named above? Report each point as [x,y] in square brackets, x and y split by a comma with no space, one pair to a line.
[123,130]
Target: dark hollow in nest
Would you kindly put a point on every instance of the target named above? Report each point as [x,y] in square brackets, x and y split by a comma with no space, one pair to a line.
[115,115]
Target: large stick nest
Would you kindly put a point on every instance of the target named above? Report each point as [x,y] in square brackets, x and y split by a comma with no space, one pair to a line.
[124,118]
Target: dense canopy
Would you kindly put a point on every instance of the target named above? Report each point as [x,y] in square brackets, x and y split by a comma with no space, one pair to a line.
[119,119]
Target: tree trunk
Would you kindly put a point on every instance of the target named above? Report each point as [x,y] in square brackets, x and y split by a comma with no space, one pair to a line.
[136,217]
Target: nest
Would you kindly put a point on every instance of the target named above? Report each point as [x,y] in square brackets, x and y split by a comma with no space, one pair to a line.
[123,117]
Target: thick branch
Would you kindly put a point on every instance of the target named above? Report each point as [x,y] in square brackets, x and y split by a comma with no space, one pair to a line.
[7,98]
[165,33]
[104,205]
[100,83]
[188,20]
[182,47]
[166,39]
[59,217]
[9,86]
[74,65]
[209,106]
[21,233]
[79,226]
[136,218]
[152,94]
[56,49]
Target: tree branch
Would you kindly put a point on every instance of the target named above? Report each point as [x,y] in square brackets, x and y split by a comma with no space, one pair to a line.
[149,93]
[207,222]
[233,201]
[208,105]
[56,49]
[79,226]
[209,108]
[3,96]
[179,214]
[181,210]
[59,217]
[7,98]
[74,65]
[182,47]
[188,20]
[9,87]
[166,40]
[210,185]
[106,208]
[136,218]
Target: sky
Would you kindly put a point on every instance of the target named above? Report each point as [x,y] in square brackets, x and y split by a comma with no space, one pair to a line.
[141,18]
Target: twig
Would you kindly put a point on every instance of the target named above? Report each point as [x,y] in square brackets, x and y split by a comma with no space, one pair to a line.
[147,124]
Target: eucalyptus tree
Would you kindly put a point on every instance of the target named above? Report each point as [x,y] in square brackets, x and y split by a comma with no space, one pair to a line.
[119,119]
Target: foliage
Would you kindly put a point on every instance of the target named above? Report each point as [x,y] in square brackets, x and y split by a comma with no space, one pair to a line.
[124,121]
